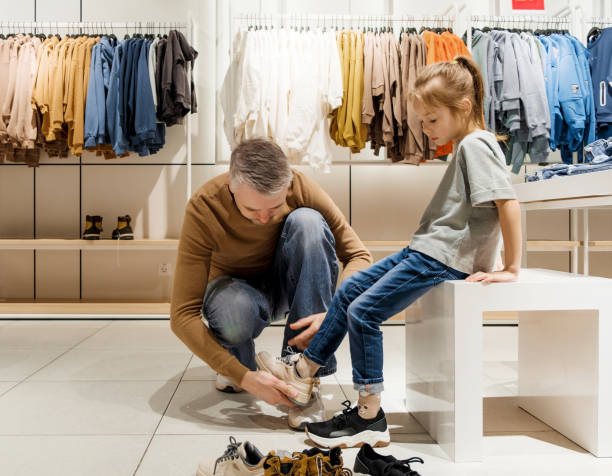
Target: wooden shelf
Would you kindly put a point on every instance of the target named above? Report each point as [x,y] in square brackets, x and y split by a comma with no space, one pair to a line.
[88,245]
[84,307]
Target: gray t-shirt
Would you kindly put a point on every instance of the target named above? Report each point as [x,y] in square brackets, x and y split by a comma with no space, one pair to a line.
[460,227]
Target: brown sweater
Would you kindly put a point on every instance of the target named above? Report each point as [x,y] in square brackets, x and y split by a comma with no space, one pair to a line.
[217,240]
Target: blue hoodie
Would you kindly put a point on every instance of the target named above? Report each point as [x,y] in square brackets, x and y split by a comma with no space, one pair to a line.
[95,130]
[600,61]
[582,56]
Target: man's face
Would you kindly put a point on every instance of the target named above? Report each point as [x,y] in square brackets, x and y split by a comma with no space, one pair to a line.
[256,207]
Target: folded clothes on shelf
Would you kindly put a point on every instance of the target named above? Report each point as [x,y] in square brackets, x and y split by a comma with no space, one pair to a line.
[598,156]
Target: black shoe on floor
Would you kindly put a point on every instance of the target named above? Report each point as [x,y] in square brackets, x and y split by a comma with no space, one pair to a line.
[369,461]
[348,429]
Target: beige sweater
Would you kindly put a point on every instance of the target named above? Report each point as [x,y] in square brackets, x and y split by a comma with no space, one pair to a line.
[217,240]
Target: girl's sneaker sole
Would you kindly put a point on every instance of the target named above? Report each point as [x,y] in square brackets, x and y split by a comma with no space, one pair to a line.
[376,439]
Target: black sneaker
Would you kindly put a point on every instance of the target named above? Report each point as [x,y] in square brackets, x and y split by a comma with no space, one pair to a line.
[124,229]
[369,461]
[93,227]
[348,430]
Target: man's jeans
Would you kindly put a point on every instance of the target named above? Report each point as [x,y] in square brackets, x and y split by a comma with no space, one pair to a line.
[366,299]
[300,282]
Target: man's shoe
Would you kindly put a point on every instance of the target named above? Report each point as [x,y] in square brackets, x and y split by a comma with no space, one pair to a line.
[124,229]
[239,459]
[223,384]
[93,227]
[369,461]
[348,430]
[283,368]
[313,412]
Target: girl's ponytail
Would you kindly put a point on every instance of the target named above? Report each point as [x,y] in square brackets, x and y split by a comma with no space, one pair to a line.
[478,112]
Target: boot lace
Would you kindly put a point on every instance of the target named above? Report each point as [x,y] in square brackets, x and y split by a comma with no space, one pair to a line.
[403,466]
[231,452]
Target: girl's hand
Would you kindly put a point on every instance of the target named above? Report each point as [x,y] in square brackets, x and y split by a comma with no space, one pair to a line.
[504,276]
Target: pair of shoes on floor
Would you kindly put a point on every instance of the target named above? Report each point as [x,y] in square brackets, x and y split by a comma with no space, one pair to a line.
[346,430]
[242,459]
[370,462]
[93,228]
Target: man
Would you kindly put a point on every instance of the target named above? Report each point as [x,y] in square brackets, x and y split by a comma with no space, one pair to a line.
[258,243]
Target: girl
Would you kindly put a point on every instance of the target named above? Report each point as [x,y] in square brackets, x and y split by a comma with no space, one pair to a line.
[458,238]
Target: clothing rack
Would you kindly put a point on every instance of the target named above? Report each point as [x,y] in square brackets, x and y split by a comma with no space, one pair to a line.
[516,21]
[98,28]
[103,27]
[335,21]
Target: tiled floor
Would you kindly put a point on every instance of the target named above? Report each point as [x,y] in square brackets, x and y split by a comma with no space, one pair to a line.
[118,398]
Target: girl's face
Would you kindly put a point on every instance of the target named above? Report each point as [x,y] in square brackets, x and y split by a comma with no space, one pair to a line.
[440,124]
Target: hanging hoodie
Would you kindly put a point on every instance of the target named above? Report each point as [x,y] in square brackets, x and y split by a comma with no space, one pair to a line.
[177,88]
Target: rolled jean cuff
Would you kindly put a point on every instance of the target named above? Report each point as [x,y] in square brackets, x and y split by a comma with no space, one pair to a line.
[369,387]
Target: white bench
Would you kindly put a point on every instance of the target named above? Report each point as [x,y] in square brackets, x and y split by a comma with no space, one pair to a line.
[565,358]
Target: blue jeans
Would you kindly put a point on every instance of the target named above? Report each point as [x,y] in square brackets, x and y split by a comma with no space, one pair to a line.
[300,282]
[365,300]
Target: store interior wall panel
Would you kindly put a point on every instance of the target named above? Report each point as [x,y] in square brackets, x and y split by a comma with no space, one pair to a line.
[548,225]
[57,274]
[127,275]
[336,184]
[388,201]
[57,202]
[17,274]
[16,202]
[154,196]
[555,260]
[17,11]
[339,7]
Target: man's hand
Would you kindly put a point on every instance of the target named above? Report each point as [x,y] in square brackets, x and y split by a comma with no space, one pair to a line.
[266,386]
[504,276]
[312,323]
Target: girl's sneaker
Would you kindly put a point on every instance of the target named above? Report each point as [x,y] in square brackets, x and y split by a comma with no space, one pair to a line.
[348,430]
[283,368]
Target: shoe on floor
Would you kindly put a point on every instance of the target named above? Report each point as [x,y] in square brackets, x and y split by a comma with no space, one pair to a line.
[369,461]
[225,385]
[283,368]
[238,459]
[313,412]
[312,461]
[348,430]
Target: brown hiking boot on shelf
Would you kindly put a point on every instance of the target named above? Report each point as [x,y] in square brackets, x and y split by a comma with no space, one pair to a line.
[93,227]
[283,368]
[124,229]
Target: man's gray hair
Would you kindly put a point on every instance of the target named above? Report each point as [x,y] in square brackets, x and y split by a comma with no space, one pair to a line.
[262,165]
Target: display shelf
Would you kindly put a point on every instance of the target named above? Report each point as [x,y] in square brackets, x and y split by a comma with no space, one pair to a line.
[83,308]
[88,245]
